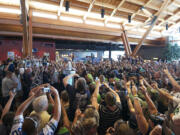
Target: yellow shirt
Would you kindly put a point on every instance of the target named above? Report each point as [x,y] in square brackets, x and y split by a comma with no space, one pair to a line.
[45,117]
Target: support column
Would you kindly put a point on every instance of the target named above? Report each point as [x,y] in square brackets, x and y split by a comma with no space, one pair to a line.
[30,46]
[25,27]
[124,43]
[110,54]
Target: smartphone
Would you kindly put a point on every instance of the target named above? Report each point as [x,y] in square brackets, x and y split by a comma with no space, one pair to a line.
[14,90]
[46,89]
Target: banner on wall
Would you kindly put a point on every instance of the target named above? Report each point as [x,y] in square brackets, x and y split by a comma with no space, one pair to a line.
[10,55]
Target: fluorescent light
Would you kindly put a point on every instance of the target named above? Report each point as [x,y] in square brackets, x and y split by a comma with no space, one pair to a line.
[110,25]
[95,23]
[44,15]
[44,6]
[71,19]
[10,10]
[10,2]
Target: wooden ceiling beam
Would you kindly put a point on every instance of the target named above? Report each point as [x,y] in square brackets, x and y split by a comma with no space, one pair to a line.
[176,3]
[110,6]
[164,5]
[60,7]
[176,24]
[134,40]
[24,14]
[148,6]
[134,14]
[114,11]
[167,20]
[162,20]
[89,9]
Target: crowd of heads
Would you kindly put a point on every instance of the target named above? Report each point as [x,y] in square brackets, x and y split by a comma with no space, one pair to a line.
[130,96]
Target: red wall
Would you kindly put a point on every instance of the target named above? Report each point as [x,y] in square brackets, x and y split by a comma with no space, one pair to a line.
[14,45]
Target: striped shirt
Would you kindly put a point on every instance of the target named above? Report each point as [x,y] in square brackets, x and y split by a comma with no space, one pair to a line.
[108,117]
[49,129]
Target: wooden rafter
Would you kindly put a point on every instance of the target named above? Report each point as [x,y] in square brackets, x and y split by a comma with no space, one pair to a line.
[149,6]
[164,5]
[114,11]
[177,24]
[134,14]
[176,3]
[89,9]
[120,9]
[60,7]
[162,22]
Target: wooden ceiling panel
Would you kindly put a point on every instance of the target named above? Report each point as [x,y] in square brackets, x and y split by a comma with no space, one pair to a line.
[140,18]
[97,9]
[122,14]
[133,7]
[78,4]
[112,2]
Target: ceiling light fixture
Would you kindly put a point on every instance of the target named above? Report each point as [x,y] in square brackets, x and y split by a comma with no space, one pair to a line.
[166,26]
[129,18]
[67,5]
[102,13]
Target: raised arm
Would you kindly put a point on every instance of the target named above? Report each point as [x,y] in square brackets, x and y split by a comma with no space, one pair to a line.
[50,98]
[66,79]
[173,81]
[25,105]
[57,104]
[8,105]
[95,95]
[141,120]
[114,92]
[129,102]
[65,117]
[151,107]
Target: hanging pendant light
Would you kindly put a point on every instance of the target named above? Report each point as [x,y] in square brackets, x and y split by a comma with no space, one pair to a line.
[129,18]
[167,26]
[102,13]
[67,5]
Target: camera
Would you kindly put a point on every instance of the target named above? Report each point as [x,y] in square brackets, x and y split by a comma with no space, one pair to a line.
[14,90]
[157,120]
[45,90]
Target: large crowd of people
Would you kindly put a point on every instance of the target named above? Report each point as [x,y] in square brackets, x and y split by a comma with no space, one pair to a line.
[130,96]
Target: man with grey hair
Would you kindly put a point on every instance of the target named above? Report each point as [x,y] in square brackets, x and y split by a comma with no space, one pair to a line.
[40,105]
